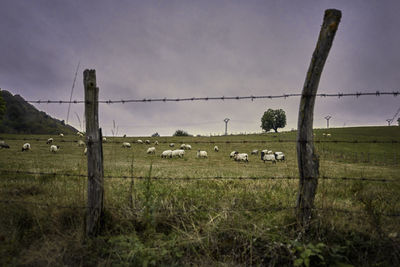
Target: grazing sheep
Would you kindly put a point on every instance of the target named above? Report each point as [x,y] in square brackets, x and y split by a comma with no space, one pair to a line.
[151,150]
[328,135]
[26,147]
[254,152]
[323,134]
[85,151]
[147,142]
[186,147]
[49,141]
[104,139]
[202,154]
[81,143]
[216,149]
[61,135]
[178,153]
[166,154]
[279,156]
[172,145]
[241,157]
[54,148]
[183,146]
[139,141]
[4,145]
[268,157]
[126,145]
[232,154]
[156,143]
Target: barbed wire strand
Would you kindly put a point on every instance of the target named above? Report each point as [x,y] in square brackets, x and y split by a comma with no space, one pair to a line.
[364,179]
[222,98]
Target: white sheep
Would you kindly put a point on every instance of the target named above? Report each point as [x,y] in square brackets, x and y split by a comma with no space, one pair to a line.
[104,139]
[183,146]
[178,153]
[268,157]
[126,145]
[241,157]
[139,141]
[80,134]
[172,145]
[151,150]
[279,156]
[328,135]
[26,147]
[254,152]
[49,141]
[54,148]
[81,143]
[61,135]
[216,149]
[166,154]
[188,147]
[156,142]
[232,154]
[202,154]
[147,142]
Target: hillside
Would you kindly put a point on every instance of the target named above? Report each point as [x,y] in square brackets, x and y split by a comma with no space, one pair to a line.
[23,118]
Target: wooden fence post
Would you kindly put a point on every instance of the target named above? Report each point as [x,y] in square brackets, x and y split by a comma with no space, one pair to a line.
[94,212]
[308,161]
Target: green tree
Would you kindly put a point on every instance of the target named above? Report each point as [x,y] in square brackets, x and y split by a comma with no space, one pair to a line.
[2,107]
[273,119]
[181,133]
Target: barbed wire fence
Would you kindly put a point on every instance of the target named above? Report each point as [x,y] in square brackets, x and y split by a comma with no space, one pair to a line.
[95,195]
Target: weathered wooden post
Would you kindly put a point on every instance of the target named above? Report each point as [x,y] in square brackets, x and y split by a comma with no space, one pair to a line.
[308,161]
[94,213]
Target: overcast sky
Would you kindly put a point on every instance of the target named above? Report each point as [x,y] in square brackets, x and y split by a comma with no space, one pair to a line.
[153,49]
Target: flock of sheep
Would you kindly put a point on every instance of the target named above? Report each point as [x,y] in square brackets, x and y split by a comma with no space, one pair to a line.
[266,155]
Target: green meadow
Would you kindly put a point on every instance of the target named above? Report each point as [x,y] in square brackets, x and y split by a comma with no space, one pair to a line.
[191,211]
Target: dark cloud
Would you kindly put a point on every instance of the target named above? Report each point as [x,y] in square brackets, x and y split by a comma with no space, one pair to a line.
[144,49]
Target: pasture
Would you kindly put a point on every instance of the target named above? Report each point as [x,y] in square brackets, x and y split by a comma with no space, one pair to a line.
[184,211]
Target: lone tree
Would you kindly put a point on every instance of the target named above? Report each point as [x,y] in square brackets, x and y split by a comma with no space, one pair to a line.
[181,133]
[273,119]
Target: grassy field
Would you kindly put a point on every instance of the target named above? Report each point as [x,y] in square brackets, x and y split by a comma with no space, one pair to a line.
[203,221]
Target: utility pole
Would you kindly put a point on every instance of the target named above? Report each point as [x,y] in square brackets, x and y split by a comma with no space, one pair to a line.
[327,118]
[226,125]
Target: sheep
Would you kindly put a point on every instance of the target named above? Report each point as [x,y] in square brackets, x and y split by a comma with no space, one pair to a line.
[268,157]
[216,149]
[183,146]
[241,157]
[202,154]
[178,153]
[85,151]
[171,145]
[266,151]
[147,142]
[4,145]
[139,141]
[26,147]
[49,141]
[328,135]
[61,135]
[279,156]
[254,152]
[156,143]
[80,134]
[232,154]
[186,147]
[126,145]
[151,150]
[54,148]
[81,143]
[166,153]
[104,139]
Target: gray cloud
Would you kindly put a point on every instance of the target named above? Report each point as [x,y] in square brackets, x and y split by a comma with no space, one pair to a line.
[205,48]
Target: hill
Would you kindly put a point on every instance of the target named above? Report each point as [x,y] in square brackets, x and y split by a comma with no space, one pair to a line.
[23,118]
